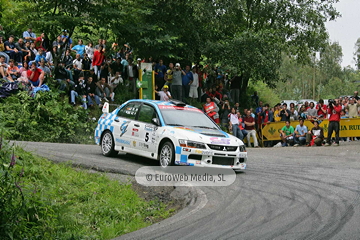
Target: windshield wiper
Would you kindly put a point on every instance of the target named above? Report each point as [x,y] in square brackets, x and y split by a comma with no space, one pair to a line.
[204,127]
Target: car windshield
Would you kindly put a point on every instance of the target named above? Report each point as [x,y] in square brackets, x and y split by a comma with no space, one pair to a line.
[188,118]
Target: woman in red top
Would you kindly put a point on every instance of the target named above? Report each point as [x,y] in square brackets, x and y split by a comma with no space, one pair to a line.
[98,59]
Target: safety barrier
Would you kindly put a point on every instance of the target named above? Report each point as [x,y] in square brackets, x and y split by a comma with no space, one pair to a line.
[349,127]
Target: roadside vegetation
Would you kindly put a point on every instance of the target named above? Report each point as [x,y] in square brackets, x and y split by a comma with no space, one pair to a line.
[43,200]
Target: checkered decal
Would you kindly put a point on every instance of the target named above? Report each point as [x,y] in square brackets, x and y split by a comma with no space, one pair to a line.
[105,122]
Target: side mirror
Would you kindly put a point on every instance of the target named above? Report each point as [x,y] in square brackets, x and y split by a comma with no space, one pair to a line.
[155,121]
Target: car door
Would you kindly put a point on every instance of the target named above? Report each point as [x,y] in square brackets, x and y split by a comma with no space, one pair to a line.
[147,137]
[123,125]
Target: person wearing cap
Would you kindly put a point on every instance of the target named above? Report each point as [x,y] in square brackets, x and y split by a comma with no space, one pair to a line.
[65,37]
[176,86]
[315,136]
[138,64]
[29,35]
[164,94]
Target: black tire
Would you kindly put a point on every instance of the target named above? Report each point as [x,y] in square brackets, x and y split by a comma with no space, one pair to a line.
[166,154]
[108,144]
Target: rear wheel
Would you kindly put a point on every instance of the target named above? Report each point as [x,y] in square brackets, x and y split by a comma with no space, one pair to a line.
[107,144]
[167,154]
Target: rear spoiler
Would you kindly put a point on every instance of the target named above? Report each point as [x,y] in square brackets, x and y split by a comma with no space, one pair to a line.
[105,108]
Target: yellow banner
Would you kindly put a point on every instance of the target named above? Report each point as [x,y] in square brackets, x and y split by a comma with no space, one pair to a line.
[349,127]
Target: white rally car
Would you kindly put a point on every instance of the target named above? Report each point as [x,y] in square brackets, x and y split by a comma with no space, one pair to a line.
[172,132]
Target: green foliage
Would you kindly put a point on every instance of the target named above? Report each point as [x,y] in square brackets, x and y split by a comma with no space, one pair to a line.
[49,117]
[43,200]
[266,94]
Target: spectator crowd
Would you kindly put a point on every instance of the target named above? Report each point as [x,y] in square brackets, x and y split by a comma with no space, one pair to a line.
[90,75]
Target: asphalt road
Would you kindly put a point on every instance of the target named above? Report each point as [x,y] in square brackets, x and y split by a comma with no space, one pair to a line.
[286,193]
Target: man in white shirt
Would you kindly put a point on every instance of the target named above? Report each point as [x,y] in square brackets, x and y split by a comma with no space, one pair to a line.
[165,94]
[194,84]
[77,64]
[116,80]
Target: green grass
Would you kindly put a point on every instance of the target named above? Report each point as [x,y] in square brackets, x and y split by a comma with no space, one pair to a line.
[66,203]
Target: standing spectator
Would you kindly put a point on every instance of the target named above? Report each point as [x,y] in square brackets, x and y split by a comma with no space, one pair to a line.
[40,42]
[352,108]
[116,66]
[285,113]
[316,135]
[321,109]
[29,35]
[169,75]
[212,110]
[86,66]
[334,110]
[250,128]
[131,74]
[103,90]
[124,63]
[234,124]
[225,111]
[176,86]
[258,117]
[89,50]
[160,70]
[277,117]
[35,75]
[65,38]
[79,49]
[312,112]
[287,134]
[294,114]
[77,65]
[235,88]
[186,79]
[356,95]
[98,60]
[194,84]
[99,44]
[303,113]
[300,133]
[164,94]
[12,51]
[267,115]
[255,98]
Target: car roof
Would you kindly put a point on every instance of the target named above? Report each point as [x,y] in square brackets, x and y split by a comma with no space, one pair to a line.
[174,103]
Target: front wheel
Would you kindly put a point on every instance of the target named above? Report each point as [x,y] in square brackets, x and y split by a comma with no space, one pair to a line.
[107,145]
[167,154]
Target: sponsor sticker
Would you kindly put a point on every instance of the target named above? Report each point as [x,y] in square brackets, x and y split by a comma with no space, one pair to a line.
[216,140]
[144,145]
[122,141]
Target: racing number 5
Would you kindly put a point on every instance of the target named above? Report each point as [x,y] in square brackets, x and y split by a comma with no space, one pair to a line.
[146,137]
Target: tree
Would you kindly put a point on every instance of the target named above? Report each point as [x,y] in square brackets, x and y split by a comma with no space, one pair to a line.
[357,54]
[261,30]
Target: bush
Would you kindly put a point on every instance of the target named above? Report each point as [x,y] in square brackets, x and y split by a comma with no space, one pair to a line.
[43,200]
[48,117]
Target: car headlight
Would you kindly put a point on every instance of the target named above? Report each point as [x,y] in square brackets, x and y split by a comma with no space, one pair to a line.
[191,144]
[242,148]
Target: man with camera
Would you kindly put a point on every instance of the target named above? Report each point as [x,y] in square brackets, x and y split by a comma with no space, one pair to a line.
[176,86]
[334,110]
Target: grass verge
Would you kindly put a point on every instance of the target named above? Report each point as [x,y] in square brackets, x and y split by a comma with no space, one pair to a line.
[43,200]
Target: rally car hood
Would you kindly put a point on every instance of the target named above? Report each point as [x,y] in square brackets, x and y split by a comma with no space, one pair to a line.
[210,136]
